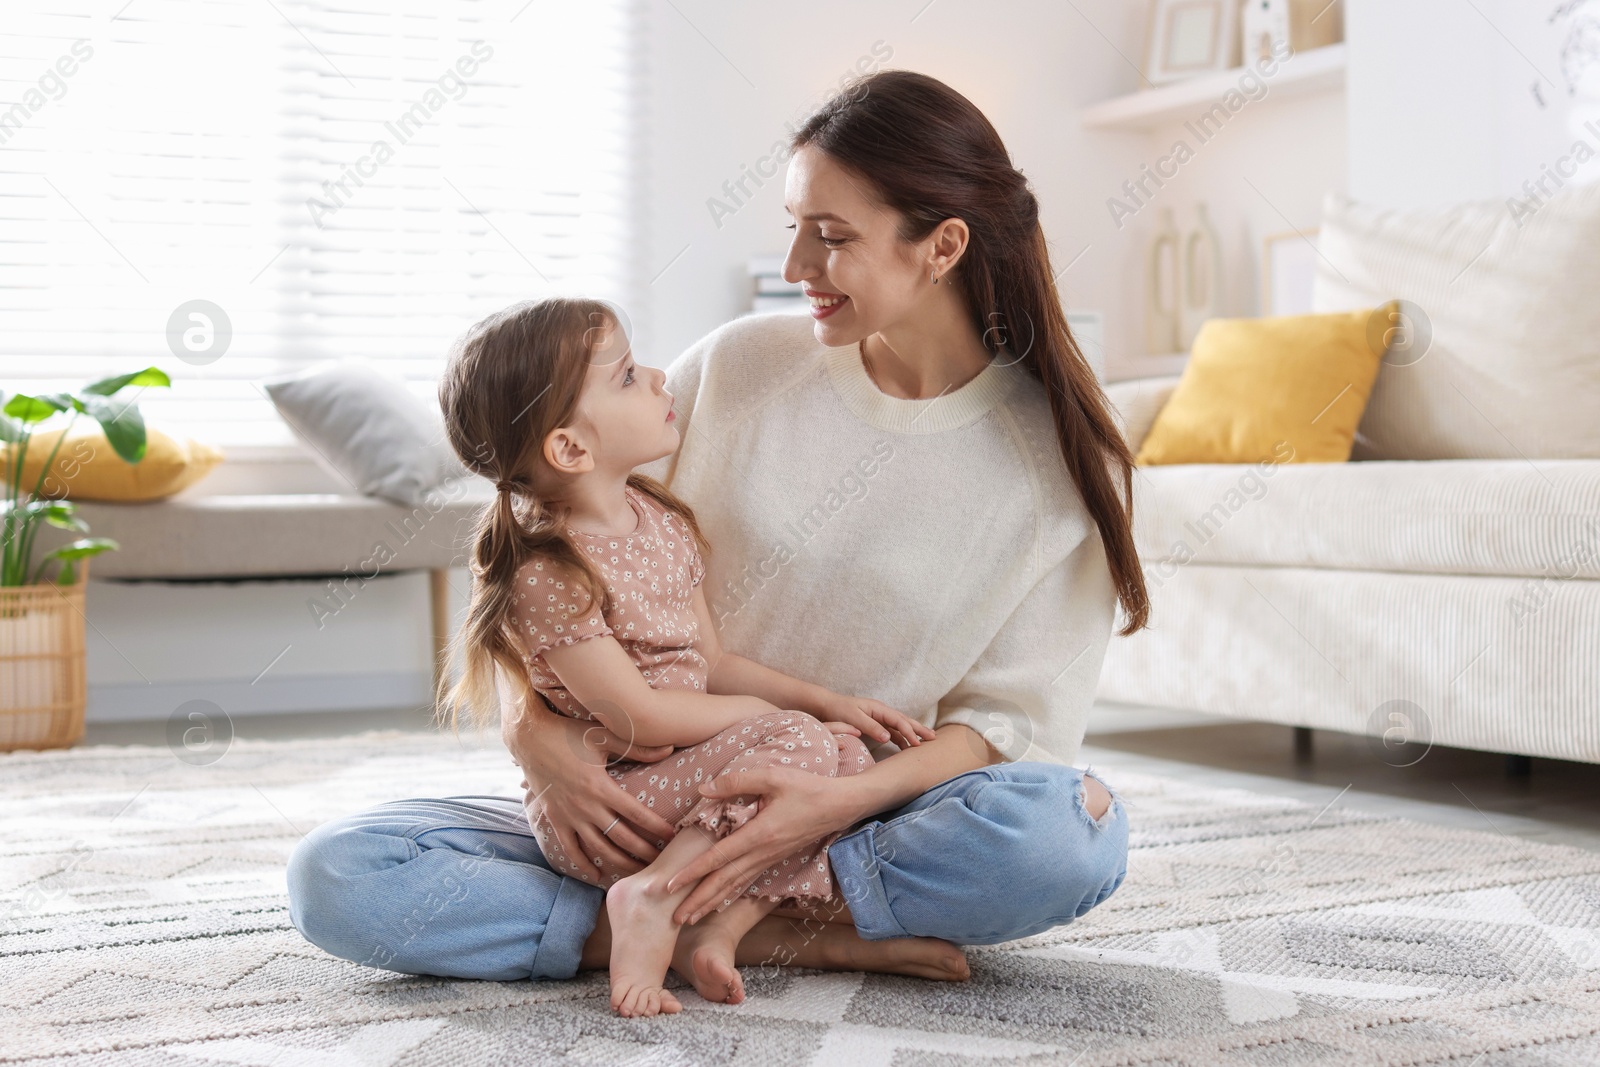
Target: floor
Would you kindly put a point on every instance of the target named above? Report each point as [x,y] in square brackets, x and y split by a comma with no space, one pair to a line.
[147,923]
[1557,803]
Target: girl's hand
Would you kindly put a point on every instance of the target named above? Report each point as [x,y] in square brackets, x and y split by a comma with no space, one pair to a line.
[875,719]
[563,761]
[796,808]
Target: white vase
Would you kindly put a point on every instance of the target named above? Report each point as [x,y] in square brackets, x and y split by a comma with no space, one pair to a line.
[1161,288]
[1201,288]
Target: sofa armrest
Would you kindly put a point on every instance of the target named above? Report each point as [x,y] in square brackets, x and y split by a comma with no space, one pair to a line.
[1137,402]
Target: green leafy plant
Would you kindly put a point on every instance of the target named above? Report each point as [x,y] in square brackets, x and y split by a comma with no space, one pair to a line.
[25,510]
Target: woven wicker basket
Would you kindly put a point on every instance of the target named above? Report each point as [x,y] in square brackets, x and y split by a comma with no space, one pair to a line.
[42,683]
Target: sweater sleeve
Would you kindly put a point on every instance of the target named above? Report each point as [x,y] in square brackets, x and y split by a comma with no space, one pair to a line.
[1030,691]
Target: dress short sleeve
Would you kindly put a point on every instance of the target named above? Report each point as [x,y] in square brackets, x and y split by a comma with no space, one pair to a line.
[697,566]
[545,607]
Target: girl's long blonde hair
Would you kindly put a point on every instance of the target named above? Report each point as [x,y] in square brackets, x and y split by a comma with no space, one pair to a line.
[512,379]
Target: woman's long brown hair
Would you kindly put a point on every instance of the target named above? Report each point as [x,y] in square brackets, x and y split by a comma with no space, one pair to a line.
[931,155]
[512,379]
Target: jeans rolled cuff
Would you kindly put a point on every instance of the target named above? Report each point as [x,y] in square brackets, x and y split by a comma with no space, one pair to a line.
[572,919]
[856,874]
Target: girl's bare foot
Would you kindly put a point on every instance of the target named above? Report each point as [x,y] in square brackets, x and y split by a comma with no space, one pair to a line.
[704,957]
[643,936]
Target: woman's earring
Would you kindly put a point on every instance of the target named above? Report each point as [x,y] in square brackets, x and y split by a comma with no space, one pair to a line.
[934,278]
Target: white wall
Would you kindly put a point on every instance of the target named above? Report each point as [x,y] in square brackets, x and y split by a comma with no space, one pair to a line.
[1453,101]
[1265,172]
[724,79]
[1441,106]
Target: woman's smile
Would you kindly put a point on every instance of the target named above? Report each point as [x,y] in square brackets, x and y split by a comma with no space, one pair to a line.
[824,304]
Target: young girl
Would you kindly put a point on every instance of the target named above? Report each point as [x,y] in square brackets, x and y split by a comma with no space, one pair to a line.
[588,590]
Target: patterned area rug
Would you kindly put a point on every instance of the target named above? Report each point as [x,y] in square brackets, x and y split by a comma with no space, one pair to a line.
[145,922]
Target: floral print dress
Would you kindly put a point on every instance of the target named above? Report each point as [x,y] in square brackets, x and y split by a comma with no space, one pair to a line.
[651,574]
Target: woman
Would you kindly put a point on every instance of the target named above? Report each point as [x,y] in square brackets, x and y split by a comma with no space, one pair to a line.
[920,496]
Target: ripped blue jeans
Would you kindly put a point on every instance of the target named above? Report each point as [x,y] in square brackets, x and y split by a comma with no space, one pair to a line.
[457,886]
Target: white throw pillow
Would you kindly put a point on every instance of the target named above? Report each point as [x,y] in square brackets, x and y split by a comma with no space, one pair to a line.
[1137,401]
[368,428]
[1513,366]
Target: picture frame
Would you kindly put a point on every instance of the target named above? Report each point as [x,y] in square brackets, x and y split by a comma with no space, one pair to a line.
[1288,272]
[1185,38]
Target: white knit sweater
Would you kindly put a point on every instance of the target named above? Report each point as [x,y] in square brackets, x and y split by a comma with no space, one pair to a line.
[933,554]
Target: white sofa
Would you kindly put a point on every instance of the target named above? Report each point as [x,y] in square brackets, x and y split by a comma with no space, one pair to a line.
[1453,565]
[1313,594]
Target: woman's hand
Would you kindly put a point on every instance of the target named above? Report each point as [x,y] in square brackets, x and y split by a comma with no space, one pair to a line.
[564,766]
[875,719]
[796,808]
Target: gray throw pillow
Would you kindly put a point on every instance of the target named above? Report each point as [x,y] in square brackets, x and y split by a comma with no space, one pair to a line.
[369,429]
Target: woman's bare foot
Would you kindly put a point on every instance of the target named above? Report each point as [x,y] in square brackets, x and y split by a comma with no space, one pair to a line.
[839,947]
[704,957]
[643,936]
[919,957]
[707,952]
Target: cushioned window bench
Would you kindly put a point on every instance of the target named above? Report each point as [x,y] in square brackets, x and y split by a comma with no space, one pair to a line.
[298,535]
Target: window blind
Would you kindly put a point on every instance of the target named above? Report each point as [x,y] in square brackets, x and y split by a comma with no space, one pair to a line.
[349,178]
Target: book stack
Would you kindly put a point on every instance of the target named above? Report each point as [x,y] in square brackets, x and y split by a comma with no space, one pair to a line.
[768,290]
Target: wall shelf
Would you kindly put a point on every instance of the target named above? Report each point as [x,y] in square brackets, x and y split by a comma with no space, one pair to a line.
[1317,70]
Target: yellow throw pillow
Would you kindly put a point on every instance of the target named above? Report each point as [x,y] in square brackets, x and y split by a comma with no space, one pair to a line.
[88,468]
[1281,390]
